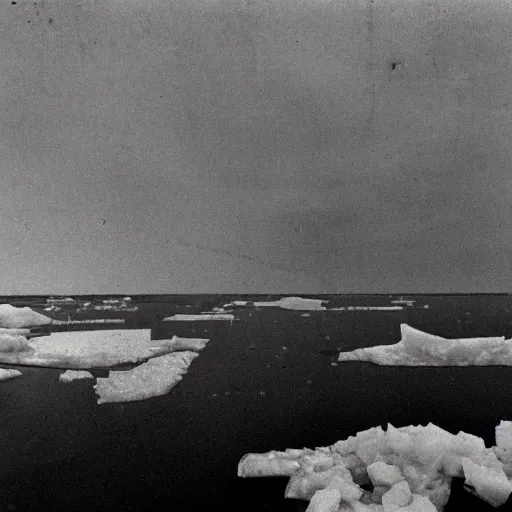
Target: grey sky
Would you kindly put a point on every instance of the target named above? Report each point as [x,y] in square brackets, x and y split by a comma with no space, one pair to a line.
[255,146]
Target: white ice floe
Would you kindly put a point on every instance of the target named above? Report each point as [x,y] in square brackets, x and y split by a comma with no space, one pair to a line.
[90,321]
[292,303]
[9,374]
[403,302]
[410,469]
[417,348]
[11,343]
[94,349]
[70,375]
[17,318]
[368,308]
[200,318]
[177,344]
[154,378]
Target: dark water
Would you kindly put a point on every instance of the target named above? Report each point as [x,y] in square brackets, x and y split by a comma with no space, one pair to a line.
[265,382]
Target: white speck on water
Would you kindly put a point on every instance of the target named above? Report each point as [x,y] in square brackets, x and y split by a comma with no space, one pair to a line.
[268,366]
[214,394]
[285,348]
[334,364]
[309,382]
[227,393]
[327,337]
[262,393]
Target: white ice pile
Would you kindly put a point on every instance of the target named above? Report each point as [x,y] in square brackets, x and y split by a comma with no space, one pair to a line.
[417,348]
[17,318]
[409,469]
[91,349]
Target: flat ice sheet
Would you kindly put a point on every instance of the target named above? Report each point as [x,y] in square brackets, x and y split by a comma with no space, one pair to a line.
[96,349]
[177,344]
[368,308]
[9,374]
[417,348]
[292,303]
[17,318]
[201,317]
[10,343]
[71,375]
[154,378]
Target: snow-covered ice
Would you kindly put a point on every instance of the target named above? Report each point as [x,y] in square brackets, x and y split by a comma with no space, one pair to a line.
[417,348]
[17,318]
[154,378]
[10,343]
[201,317]
[291,303]
[410,468]
[96,349]
[70,375]
[9,374]
[368,308]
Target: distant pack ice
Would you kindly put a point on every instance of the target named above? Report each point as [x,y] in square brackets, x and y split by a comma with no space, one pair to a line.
[18,318]
[417,348]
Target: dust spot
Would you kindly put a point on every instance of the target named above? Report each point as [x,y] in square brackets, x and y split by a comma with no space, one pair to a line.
[50,20]
[14,3]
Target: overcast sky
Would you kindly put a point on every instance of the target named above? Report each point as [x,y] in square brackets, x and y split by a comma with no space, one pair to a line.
[255,146]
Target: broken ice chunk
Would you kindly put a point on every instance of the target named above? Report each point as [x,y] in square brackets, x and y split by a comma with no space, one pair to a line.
[381,473]
[325,500]
[398,496]
[419,504]
[489,484]
[269,464]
